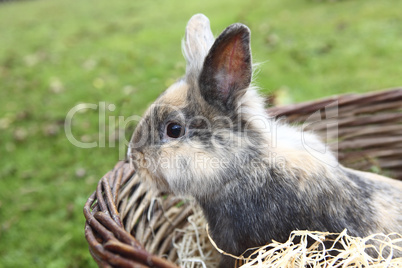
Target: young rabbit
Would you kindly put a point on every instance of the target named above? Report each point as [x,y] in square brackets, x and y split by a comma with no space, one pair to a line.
[208,136]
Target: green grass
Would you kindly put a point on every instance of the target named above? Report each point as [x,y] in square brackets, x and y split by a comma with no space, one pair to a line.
[57,54]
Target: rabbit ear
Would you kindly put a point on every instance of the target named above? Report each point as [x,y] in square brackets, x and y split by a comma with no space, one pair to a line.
[198,41]
[227,69]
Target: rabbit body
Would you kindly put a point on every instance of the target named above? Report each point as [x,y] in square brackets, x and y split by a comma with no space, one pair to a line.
[208,136]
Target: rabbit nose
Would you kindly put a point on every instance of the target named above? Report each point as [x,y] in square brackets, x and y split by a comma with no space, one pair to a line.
[135,157]
[136,154]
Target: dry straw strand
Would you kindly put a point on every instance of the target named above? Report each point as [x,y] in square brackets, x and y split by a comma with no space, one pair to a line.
[194,249]
[350,251]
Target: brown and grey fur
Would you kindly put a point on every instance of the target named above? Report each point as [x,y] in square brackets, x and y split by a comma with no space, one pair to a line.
[266,184]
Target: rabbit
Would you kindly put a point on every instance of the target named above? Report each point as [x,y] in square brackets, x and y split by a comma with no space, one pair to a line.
[209,137]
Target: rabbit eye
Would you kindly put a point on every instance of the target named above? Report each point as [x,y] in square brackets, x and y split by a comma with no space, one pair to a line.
[174,130]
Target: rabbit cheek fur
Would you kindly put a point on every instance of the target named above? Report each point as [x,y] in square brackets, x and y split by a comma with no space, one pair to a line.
[251,175]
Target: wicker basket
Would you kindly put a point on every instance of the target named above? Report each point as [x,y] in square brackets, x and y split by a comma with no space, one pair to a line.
[129,226]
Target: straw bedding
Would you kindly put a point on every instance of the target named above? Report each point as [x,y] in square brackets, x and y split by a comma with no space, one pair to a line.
[303,249]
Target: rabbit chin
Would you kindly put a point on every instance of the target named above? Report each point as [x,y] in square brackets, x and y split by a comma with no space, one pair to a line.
[190,185]
[152,178]
[188,173]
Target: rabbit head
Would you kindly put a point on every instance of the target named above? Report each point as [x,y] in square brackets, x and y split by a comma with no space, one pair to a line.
[189,139]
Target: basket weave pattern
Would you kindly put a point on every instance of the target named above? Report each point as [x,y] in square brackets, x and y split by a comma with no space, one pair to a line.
[130,225]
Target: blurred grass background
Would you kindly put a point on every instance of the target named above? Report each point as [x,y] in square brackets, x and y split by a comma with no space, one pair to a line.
[57,54]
